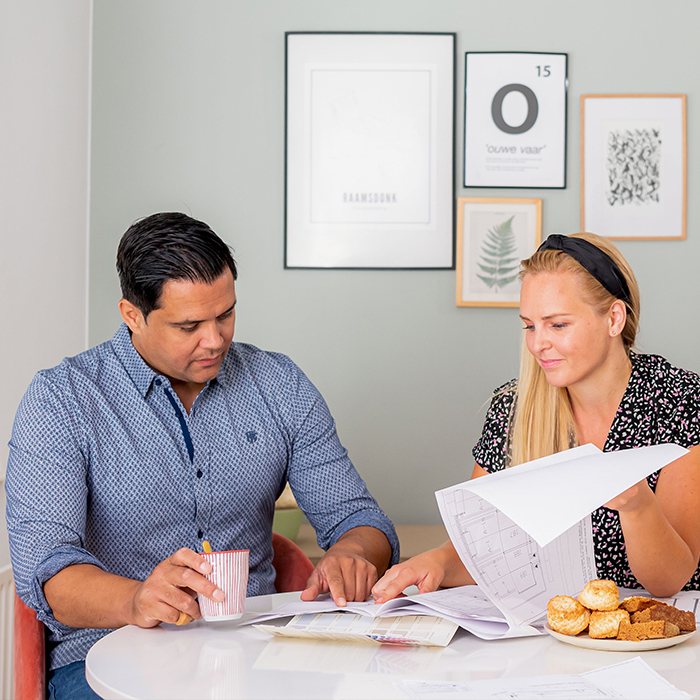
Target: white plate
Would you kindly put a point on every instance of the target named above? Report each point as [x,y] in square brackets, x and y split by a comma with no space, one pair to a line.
[585,642]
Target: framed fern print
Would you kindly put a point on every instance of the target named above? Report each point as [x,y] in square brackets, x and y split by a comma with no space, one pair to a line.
[493,236]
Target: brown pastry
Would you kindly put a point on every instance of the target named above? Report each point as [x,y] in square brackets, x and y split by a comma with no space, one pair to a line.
[604,625]
[566,615]
[636,603]
[600,594]
[685,621]
[638,631]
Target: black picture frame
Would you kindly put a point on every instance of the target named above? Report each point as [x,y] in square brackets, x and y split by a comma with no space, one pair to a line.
[406,220]
[531,154]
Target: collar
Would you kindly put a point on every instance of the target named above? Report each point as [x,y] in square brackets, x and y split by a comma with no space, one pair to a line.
[137,369]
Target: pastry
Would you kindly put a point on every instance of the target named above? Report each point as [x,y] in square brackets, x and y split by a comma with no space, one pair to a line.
[685,621]
[637,631]
[566,615]
[605,624]
[600,594]
[636,603]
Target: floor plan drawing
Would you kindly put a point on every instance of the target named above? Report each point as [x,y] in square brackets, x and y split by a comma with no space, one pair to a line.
[511,568]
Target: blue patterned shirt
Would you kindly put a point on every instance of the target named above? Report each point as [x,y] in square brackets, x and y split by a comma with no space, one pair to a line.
[107,468]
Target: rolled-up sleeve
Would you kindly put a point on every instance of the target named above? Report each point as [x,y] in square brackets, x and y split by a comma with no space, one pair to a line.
[324,481]
[46,488]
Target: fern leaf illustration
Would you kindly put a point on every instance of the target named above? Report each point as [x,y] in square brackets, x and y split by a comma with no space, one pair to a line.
[496,256]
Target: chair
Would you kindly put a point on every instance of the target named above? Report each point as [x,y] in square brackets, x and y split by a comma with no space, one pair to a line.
[292,566]
[29,654]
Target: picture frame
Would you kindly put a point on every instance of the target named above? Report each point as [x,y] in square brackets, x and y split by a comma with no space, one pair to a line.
[633,166]
[493,236]
[369,150]
[515,117]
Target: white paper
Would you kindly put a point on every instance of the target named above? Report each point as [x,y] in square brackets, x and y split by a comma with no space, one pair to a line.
[498,523]
[409,630]
[548,496]
[517,575]
[630,680]
[467,606]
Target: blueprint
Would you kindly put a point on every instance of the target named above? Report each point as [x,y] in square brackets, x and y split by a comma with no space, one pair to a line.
[517,575]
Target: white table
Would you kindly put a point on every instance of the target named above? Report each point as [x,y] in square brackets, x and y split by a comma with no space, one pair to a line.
[230,660]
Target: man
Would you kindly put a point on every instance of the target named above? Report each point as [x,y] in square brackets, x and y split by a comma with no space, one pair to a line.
[125,458]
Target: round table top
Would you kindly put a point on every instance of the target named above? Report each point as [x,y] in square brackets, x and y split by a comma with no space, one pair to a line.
[234,660]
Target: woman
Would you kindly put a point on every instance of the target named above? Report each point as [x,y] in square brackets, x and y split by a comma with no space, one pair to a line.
[580,382]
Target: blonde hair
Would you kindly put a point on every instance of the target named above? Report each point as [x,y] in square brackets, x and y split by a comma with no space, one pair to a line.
[542,421]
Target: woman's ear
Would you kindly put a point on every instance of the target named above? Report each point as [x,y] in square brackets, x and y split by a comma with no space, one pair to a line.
[618,317]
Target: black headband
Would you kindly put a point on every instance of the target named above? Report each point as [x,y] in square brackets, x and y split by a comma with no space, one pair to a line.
[594,260]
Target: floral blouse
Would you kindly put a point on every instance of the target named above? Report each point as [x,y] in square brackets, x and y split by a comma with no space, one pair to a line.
[661,405]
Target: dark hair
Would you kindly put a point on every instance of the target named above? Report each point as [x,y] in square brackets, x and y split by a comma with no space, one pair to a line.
[168,246]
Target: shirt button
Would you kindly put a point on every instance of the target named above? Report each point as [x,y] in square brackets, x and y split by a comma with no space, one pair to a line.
[200,534]
[158,382]
[199,473]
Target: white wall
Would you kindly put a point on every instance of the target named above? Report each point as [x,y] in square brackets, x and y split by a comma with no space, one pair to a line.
[44,136]
[188,114]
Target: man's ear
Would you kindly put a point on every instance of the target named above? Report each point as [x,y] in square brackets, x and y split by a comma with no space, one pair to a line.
[132,315]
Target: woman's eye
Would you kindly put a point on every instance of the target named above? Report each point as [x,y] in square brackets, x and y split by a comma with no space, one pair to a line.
[559,325]
[528,328]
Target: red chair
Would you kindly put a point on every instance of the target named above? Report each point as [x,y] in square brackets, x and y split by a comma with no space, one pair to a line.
[292,566]
[29,654]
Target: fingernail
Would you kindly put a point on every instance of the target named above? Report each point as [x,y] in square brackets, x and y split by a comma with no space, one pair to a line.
[342,602]
[218,595]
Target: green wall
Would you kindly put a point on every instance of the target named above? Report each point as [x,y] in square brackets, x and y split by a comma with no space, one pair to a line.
[188,114]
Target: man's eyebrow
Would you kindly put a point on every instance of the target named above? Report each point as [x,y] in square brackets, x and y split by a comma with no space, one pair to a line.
[194,323]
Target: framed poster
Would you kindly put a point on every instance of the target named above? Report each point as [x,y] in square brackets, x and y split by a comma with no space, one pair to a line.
[369,176]
[493,236]
[633,166]
[515,120]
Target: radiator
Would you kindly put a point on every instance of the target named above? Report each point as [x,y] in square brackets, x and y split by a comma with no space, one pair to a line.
[7,606]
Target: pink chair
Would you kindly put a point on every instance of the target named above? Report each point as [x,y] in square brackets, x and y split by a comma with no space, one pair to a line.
[292,566]
[29,654]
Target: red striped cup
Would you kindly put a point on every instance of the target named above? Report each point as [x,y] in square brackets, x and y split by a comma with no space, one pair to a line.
[229,571]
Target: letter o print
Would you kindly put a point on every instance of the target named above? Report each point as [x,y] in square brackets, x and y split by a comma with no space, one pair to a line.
[497,108]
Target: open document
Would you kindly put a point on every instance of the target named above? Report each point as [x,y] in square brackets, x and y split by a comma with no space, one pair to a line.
[524,534]
[466,606]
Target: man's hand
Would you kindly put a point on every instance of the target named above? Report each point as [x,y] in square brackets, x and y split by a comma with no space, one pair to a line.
[350,567]
[83,595]
[171,589]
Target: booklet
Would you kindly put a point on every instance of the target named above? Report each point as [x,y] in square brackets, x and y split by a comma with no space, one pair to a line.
[407,630]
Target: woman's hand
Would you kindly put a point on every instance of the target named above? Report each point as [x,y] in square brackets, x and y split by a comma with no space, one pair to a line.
[428,571]
[635,498]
